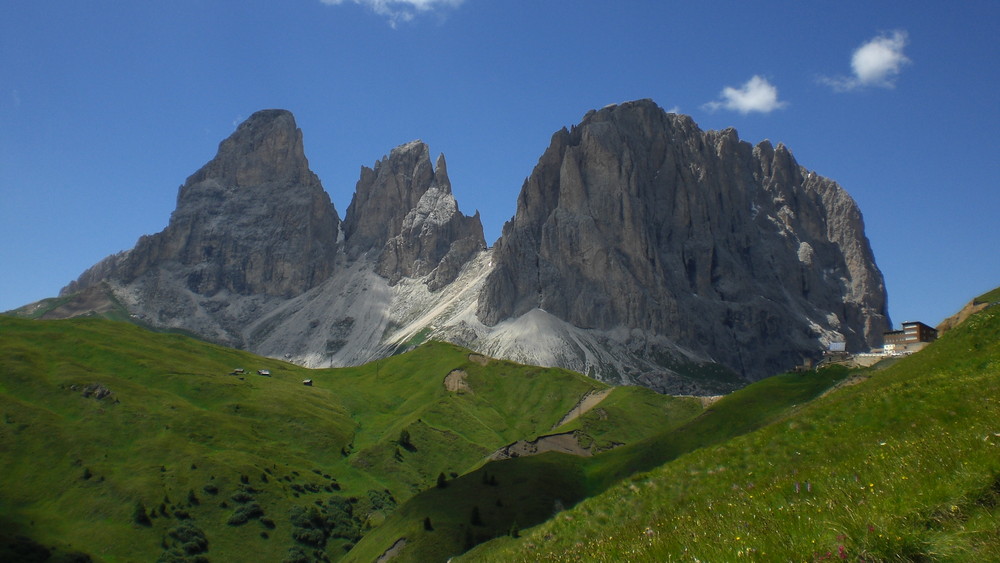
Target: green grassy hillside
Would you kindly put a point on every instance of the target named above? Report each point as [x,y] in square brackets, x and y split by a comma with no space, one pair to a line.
[505,496]
[901,465]
[129,445]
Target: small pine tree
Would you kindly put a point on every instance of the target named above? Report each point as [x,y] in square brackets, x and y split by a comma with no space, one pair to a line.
[475,519]
[427,524]
[139,515]
[515,531]
[442,482]
[470,541]
[404,438]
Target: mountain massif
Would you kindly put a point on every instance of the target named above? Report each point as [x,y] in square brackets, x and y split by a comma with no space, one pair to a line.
[643,250]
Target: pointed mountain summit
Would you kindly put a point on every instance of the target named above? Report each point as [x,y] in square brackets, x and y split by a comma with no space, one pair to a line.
[264,149]
[253,221]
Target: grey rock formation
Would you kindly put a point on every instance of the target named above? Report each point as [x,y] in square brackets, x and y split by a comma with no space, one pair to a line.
[404,210]
[254,221]
[643,251]
[638,219]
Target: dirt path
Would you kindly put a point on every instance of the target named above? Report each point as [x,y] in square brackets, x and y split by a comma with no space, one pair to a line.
[392,551]
[587,402]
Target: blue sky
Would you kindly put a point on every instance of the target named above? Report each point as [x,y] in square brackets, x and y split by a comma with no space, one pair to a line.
[107,107]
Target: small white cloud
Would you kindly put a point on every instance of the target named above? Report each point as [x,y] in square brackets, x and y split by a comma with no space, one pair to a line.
[675,109]
[876,63]
[756,95]
[400,10]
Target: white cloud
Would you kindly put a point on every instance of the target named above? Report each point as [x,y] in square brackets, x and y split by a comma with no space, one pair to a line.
[400,10]
[876,63]
[756,95]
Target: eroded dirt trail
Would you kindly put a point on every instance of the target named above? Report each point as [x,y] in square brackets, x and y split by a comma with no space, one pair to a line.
[587,402]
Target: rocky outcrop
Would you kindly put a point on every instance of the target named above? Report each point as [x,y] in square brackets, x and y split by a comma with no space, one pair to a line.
[252,221]
[404,210]
[638,219]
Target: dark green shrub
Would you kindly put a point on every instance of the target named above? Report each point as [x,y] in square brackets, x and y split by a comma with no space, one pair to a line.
[404,441]
[189,538]
[139,515]
[245,513]
[309,536]
[242,497]
[296,555]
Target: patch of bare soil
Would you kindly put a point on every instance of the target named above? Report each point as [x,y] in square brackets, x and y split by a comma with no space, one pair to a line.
[709,401]
[479,359]
[960,317]
[705,400]
[392,551]
[455,381]
[565,442]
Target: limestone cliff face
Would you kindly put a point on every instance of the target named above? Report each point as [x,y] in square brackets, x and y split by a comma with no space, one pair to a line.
[254,221]
[643,250]
[637,219]
[404,210]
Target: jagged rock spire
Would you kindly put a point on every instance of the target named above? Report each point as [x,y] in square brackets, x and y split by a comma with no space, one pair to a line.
[404,211]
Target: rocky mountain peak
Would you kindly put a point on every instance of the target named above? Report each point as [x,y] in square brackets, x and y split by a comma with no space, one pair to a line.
[404,210]
[637,219]
[254,220]
[266,148]
[383,196]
